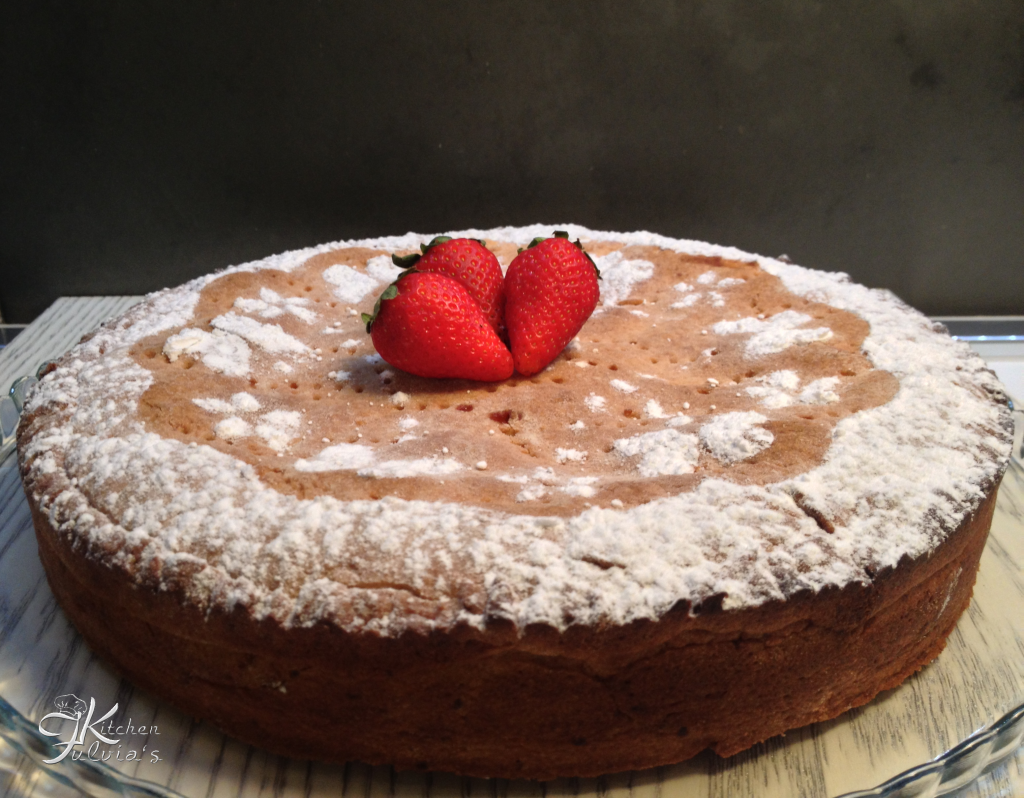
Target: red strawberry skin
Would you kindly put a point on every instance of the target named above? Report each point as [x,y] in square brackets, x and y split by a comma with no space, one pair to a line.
[434,328]
[476,267]
[550,291]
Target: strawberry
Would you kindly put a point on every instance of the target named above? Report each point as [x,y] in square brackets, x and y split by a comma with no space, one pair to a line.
[469,262]
[428,324]
[550,291]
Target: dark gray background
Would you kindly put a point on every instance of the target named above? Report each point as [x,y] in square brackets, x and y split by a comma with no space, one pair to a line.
[144,143]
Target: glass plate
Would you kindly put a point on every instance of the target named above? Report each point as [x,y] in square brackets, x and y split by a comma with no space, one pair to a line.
[942,716]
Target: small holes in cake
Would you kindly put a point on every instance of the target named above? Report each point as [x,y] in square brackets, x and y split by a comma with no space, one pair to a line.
[294,386]
[501,416]
[629,412]
[673,360]
[704,391]
[316,397]
[332,304]
[558,380]
[492,389]
[187,364]
[464,408]
[592,362]
[358,389]
[654,360]
[252,382]
[613,367]
[151,353]
[422,406]
[334,350]
[848,373]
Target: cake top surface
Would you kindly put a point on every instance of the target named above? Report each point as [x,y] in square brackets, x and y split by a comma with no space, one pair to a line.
[725,425]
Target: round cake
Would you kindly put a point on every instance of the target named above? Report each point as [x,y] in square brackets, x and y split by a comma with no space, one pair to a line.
[746,497]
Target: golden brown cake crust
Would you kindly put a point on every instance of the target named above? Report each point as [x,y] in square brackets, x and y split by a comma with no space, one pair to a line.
[542,705]
[769,510]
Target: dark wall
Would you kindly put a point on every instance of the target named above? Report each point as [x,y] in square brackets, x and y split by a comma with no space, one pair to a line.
[145,143]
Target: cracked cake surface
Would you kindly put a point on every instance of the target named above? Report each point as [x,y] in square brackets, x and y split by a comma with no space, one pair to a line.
[726,427]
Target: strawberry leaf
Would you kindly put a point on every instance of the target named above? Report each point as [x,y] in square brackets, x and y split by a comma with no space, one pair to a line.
[389,293]
[406,261]
[579,246]
[434,242]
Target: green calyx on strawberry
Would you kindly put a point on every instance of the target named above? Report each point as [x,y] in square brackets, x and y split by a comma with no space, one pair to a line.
[444,314]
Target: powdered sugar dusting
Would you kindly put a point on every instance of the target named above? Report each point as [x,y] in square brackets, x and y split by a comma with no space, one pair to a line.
[278,428]
[623,386]
[220,351]
[232,428]
[271,304]
[421,467]
[895,480]
[779,389]
[619,275]
[667,451]
[775,334]
[341,456]
[350,285]
[269,337]
[732,437]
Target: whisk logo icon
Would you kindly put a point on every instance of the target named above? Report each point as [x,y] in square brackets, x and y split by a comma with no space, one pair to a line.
[71,707]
